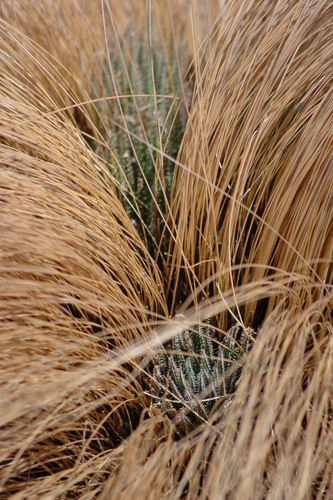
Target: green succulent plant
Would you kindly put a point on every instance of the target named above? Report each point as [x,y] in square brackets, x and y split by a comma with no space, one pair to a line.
[195,373]
[145,118]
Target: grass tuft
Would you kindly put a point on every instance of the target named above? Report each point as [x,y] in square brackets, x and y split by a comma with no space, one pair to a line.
[99,269]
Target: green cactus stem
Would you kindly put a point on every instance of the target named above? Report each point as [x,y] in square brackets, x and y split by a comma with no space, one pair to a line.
[195,374]
[145,118]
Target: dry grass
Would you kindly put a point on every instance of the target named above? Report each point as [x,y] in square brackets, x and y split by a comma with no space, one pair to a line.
[250,226]
[259,142]
[75,281]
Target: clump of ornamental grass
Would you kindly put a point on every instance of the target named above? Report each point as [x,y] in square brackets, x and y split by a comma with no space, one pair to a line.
[78,285]
[83,303]
[254,164]
[60,30]
[282,409]
[256,155]
[77,288]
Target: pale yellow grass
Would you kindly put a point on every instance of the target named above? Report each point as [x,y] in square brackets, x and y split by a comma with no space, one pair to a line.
[250,232]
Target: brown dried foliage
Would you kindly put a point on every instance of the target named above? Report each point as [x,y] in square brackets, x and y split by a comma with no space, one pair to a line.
[250,231]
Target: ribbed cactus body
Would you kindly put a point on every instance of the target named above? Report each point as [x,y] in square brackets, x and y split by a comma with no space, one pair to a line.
[144,119]
[194,374]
